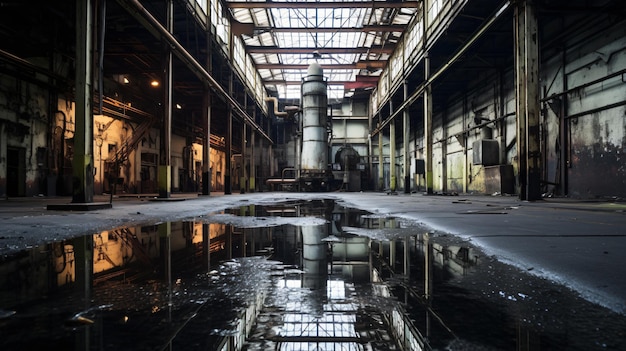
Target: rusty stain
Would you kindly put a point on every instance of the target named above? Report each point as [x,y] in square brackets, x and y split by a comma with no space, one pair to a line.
[597,171]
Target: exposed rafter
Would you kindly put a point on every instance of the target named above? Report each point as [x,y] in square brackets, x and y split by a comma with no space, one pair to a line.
[319,5]
[321,51]
[374,28]
[358,65]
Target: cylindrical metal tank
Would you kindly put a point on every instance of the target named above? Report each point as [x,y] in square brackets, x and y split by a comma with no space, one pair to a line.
[314,155]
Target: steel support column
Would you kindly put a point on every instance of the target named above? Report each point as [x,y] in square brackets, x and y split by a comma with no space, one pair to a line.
[82,164]
[428,127]
[228,141]
[406,133]
[243,178]
[206,147]
[392,151]
[252,157]
[165,166]
[206,113]
[381,162]
[527,100]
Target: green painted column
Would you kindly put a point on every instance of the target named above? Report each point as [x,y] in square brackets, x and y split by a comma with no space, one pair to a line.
[82,164]
[165,168]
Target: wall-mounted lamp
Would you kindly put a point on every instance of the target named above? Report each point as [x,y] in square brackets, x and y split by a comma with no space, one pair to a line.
[154,83]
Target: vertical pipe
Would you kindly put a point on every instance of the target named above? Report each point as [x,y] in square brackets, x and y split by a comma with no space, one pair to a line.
[563,131]
[165,171]
[392,150]
[428,126]
[83,136]
[465,153]
[381,160]
[406,133]
[444,151]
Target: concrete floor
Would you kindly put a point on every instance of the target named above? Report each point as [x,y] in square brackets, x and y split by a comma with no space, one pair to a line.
[578,244]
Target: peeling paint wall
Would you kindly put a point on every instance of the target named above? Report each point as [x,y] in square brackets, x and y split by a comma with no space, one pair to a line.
[585,96]
[23,150]
[593,89]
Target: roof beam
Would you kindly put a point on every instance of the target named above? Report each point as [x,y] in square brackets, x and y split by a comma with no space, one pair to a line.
[299,82]
[366,28]
[319,5]
[321,51]
[358,65]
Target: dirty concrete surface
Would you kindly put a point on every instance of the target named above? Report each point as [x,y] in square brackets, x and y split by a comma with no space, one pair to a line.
[574,243]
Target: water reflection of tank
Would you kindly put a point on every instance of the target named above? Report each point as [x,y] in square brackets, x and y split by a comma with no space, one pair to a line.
[346,167]
[314,172]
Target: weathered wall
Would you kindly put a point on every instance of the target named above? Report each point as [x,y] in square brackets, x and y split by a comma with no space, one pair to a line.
[23,150]
[594,113]
[594,118]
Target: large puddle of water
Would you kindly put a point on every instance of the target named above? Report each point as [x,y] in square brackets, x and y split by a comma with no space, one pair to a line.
[292,276]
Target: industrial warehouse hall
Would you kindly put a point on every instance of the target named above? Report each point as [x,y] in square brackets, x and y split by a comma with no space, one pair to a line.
[312,175]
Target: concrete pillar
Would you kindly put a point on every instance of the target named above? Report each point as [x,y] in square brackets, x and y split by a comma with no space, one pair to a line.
[82,164]
[428,127]
[406,132]
[527,100]
[165,166]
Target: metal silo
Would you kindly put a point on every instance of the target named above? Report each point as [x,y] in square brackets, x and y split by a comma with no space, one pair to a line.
[314,170]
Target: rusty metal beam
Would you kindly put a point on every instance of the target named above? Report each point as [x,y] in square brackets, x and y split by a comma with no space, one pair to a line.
[320,5]
[322,51]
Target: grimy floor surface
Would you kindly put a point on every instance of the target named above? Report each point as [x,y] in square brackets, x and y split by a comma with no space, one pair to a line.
[581,244]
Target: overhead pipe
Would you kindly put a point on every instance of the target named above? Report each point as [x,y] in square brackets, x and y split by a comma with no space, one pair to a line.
[277,113]
[144,16]
[420,90]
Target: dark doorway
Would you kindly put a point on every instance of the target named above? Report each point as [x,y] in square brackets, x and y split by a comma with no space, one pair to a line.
[16,171]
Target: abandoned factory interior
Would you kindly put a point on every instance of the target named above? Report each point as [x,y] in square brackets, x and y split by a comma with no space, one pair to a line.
[522,98]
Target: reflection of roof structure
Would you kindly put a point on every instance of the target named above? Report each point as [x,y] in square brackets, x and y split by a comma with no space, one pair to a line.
[352,40]
[337,323]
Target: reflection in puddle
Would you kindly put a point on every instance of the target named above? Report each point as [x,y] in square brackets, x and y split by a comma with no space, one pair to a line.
[294,276]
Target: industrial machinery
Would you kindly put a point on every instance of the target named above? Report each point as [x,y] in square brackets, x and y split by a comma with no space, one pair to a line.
[314,172]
